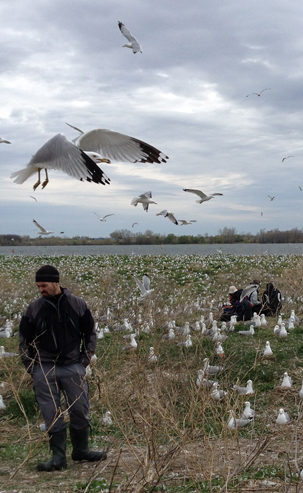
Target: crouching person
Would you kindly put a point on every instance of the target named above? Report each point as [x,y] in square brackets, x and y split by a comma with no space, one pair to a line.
[56,341]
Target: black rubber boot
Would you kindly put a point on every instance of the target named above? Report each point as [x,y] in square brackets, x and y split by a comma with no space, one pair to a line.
[81,451]
[57,444]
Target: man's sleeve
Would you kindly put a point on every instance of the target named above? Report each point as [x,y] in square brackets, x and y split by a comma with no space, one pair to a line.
[89,341]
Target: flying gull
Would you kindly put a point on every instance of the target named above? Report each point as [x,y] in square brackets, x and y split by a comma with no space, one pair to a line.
[203,197]
[44,231]
[144,286]
[286,158]
[271,198]
[79,158]
[184,222]
[133,43]
[168,214]
[258,93]
[3,141]
[143,199]
[103,218]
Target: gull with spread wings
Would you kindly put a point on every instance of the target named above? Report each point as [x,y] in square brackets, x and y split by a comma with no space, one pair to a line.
[169,215]
[43,231]
[133,43]
[203,196]
[103,218]
[143,199]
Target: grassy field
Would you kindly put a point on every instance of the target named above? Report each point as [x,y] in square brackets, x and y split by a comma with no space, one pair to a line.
[167,434]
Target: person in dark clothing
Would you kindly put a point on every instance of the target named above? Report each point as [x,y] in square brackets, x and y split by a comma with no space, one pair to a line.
[236,307]
[56,341]
[271,300]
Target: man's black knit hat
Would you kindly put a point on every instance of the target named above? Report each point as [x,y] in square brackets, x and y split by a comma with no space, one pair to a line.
[47,273]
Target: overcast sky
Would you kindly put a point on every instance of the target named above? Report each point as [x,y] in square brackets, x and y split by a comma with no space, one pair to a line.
[188,94]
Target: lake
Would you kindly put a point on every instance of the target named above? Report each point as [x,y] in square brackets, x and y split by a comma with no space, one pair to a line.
[233,249]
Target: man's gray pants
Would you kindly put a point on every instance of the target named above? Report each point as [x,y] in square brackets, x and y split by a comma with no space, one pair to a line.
[49,381]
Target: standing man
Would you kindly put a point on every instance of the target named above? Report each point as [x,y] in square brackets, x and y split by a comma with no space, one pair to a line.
[57,339]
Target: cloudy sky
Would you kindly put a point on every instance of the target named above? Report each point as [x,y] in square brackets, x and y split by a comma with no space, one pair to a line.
[190,94]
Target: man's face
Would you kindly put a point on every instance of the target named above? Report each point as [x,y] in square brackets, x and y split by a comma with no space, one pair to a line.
[48,288]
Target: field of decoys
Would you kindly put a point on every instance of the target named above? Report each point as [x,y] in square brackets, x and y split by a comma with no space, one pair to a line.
[181,400]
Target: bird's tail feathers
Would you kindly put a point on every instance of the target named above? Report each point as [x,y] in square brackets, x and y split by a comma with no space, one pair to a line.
[23,174]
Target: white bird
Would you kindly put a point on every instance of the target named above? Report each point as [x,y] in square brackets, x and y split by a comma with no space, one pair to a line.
[2,405]
[168,214]
[42,427]
[134,224]
[133,343]
[248,412]
[88,371]
[103,218]
[187,343]
[282,332]
[234,423]
[300,393]
[251,331]
[219,349]
[143,199]
[283,417]
[170,335]
[106,419]
[267,351]
[94,358]
[244,390]
[78,158]
[5,354]
[258,93]
[43,231]
[152,357]
[286,381]
[263,321]
[216,393]
[270,198]
[144,286]
[133,43]
[184,222]
[203,196]
[211,369]
[283,159]
[3,141]
[100,333]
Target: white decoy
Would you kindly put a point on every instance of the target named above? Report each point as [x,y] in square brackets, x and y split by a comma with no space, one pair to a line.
[103,219]
[169,215]
[144,199]
[216,393]
[286,381]
[152,357]
[78,158]
[107,419]
[144,286]
[2,405]
[300,393]
[234,423]
[283,417]
[267,351]
[133,43]
[248,412]
[203,196]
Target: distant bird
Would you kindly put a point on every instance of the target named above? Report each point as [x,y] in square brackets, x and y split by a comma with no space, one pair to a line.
[216,393]
[300,188]
[248,412]
[169,215]
[286,158]
[211,369]
[300,393]
[271,198]
[251,331]
[44,231]
[33,198]
[2,141]
[234,423]
[143,199]
[106,419]
[144,286]
[78,158]
[187,343]
[263,321]
[203,196]
[244,390]
[184,222]
[203,381]
[133,43]
[134,224]
[133,343]
[258,93]
[170,335]
[152,357]
[282,332]
[267,351]
[103,218]
[283,417]
[286,381]
[2,405]
[5,354]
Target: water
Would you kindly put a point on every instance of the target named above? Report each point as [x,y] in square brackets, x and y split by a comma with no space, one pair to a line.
[233,249]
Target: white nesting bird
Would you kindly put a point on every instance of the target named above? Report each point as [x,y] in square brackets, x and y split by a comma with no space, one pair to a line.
[94,358]
[2,405]
[144,286]
[244,390]
[103,219]
[234,423]
[286,381]
[169,215]
[263,321]
[133,42]
[203,381]
[100,333]
[133,343]
[144,199]
[202,196]
[170,335]
[152,357]
[267,351]
[249,332]
[185,330]
[283,417]
[211,369]
[300,393]
[78,158]
[283,332]
[219,350]
[187,343]
[5,354]
[248,412]
[216,393]
[107,419]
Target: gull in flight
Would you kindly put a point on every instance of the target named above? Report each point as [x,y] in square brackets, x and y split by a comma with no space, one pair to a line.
[103,218]
[33,198]
[134,224]
[143,199]
[286,158]
[203,197]
[133,43]
[3,141]
[79,157]
[258,93]
[168,214]
[44,231]
[144,286]
[271,198]
[183,222]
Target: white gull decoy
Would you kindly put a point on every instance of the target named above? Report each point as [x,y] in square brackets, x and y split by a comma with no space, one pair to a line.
[202,196]
[248,412]
[216,393]
[133,42]
[283,417]
[106,419]
[234,423]
[144,199]
[2,405]
[267,351]
[286,381]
